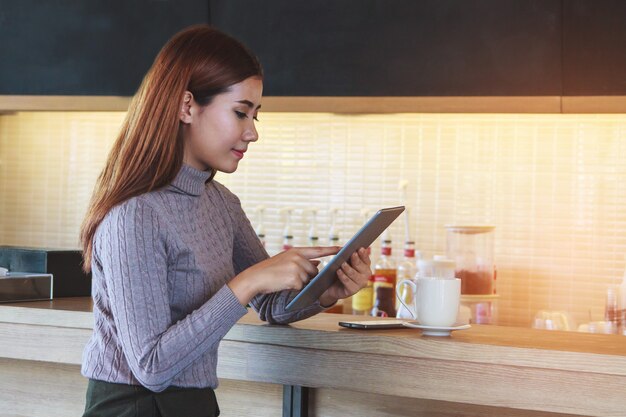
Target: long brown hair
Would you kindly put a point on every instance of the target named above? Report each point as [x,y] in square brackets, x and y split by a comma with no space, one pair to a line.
[149,149]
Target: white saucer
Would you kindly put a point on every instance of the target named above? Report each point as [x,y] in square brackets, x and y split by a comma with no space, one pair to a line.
[435,330]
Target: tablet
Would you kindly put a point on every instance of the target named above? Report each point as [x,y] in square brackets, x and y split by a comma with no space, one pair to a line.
[362,239]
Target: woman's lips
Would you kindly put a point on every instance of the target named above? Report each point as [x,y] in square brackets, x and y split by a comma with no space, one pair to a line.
[238,154]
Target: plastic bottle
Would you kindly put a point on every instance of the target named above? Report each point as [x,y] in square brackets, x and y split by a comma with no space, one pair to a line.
[383,302]
[621,303]
[313,235]
[333,236]
[287,234]
[362,301]
[425,269]
[443,267]
[384,285]
[611,308]
[407,269]
[260,228]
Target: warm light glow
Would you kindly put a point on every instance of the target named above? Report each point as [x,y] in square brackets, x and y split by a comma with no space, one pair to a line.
[553,184]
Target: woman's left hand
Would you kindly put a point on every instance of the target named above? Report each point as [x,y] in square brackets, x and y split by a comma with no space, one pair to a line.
[352,276]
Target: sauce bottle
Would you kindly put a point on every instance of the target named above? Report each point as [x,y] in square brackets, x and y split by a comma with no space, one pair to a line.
[362,301]
[407,269]
[384,285]
[260,229]
[287,234]
[313,235]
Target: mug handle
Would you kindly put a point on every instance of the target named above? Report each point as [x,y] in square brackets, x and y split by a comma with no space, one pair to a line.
[399,295]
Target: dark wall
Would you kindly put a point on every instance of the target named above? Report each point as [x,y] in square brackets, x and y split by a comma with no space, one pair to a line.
[328,47]
[400,47]
[86,47]
[594,47]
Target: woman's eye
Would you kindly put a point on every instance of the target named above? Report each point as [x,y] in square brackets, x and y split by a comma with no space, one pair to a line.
[256,118]
[241,115]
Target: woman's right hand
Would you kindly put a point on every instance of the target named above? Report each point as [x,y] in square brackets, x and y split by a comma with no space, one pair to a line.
[289,270]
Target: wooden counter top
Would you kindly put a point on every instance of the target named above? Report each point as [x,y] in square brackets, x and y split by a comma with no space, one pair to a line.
[519,368]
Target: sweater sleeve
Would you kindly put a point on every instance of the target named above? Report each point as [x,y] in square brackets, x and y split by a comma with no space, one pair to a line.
[132,247]
[248,251]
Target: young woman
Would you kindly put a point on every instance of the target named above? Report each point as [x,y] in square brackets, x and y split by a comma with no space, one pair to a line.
[173,257]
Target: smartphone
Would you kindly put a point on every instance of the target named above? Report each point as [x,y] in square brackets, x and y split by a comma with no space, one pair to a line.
[373,324]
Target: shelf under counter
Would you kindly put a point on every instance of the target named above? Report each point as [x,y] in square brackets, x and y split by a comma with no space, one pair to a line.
[486,369]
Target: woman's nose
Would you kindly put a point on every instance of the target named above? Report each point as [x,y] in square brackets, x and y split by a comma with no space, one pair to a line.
[251,134]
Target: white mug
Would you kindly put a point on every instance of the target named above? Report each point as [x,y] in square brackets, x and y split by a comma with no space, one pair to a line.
[435,301]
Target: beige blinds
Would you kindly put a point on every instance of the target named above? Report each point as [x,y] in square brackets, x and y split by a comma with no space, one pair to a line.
[554,186]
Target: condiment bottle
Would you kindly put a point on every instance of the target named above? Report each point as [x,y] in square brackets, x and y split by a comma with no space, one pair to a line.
[407,266]
[333,236]
[384,302]
[287,234]
[621,303]
[425,269]
[611,310]
[407,269]
[443,268]
[362,301]
[313,236]
[260,229]
[384,277]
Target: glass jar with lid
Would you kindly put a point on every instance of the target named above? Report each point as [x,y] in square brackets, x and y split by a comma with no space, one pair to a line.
[472,249]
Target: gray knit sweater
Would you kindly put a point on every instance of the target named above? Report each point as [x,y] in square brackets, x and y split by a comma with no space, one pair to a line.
[160,266]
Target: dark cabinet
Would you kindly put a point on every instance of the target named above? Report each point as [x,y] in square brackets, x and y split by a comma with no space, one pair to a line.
[328,47]
[594,47]
[78,47]
[400,47]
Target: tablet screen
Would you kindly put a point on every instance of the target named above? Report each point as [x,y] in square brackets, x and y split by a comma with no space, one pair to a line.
[362,239]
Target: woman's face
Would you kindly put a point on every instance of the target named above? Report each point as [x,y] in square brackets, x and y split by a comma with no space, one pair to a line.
[217,135]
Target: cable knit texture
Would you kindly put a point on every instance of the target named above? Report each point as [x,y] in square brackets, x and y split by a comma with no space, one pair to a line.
[160,266]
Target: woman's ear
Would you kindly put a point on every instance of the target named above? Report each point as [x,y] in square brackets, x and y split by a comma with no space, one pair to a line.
[185,108]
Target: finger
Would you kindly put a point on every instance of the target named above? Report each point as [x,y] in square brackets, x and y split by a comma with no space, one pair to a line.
[360,278]
[359,275]
[357,263]
[344,278]
[317,251]
[348,283]
[349,271]
[315,262]
[305,277]
[306,265]
[301,277]
[355,260]
[365,258]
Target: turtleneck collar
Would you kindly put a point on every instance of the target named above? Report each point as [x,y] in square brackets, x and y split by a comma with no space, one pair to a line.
[191,180]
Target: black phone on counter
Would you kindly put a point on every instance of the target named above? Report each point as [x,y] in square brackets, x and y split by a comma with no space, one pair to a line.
[373,324]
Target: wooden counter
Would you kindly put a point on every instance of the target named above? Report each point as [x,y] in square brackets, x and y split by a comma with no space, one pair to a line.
[485,370]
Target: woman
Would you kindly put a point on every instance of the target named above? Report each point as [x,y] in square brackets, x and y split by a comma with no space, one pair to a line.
[173,257]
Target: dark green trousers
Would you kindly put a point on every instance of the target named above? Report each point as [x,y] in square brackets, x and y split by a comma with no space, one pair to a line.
[105,399]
